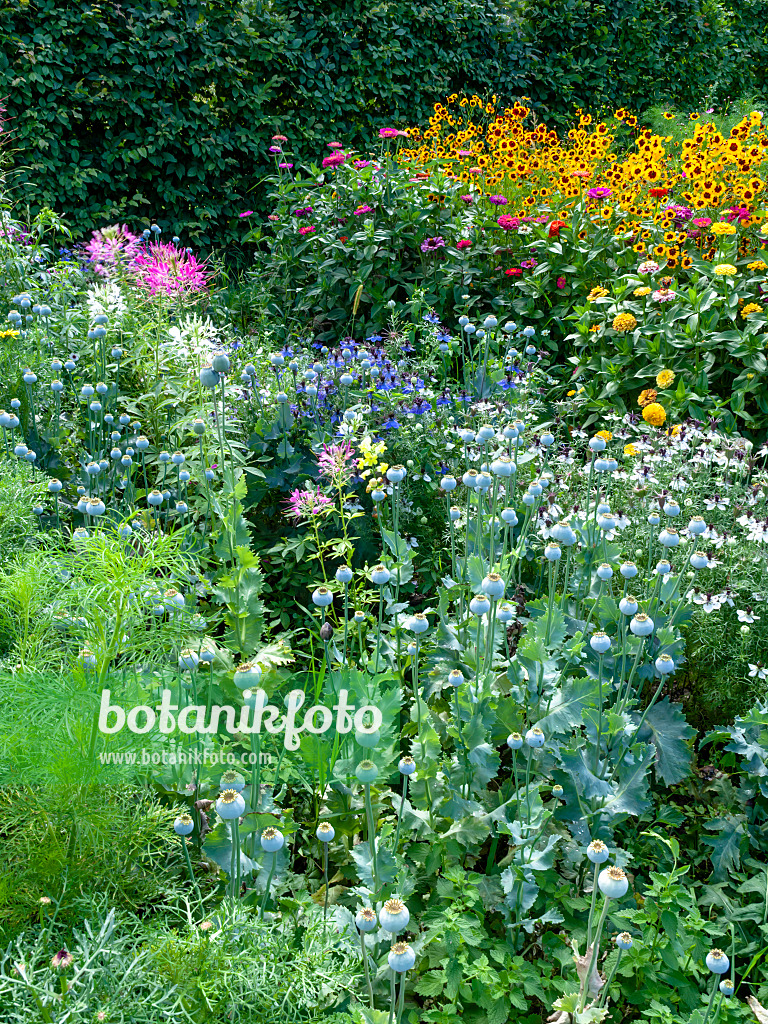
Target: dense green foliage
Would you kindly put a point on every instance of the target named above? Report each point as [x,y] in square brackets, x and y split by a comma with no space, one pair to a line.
[147,111]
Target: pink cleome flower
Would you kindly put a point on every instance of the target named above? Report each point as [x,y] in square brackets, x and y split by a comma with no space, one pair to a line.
[305,504]
[110,247]
[165,269]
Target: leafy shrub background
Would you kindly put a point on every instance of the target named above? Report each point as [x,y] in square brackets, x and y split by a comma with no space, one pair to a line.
[149,111]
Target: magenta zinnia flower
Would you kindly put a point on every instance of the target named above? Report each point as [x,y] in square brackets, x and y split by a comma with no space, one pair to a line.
[166,270]
[110,247]
[432,244]
[362,210]
[600,193]
[464,243]
[334,161]
[508,223]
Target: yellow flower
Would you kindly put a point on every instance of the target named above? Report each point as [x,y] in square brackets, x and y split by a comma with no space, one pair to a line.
[721,228]
[640,292]
[751,307]
[665,378]
[594,328]
[750,376]
[646,397]
[382,468]
[605,434]
[757,265]
[597,293]
[629,449]
[624,322]
[654,414]
[570,394]
[725,270]
[9,334]
[764,229]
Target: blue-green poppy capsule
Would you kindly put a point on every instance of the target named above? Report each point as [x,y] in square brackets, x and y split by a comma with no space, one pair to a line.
[184,825]
[155,498]
[325,832]
[248,675]
[322,597]
[54,485]
[406,765]
[394,916]
[96,507]
[232,780]
[641,625]
[220,362]
[272,840]
[380,575]
[597,852]
[628,605]
[514,741]
[367,772]
[493,585]
[209,378]
[535,737]
[664,665]
[344,574]
[480,605]
[366,920]
[600,642]
[624,940]
[418,623]
[230,805]
[717,961]
[401,957]
[455,677]
[727,987]
[188,660]
[613,883]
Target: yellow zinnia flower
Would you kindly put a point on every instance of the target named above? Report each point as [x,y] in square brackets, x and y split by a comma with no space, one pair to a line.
[629,449]
[640,292]
[570,394]
[721,228]
[665,378]
[597,293]
[646,397]
[605,434]
[725,270]
[654,414]
[751,307]
[624,322]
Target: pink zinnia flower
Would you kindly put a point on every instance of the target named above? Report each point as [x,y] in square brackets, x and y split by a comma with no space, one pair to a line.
[388,133]
[360,164]
[362,210]
[164,269]
[463,244]
[285,167]
[466,199]
[336,160]
[508,223]
[275,149]
[248,213]
[600,193]
[307,229]
[273,217]
[110,247]
[702,222]
[514,272]
[304,504]
[561,282]
[334,145]
[279,138]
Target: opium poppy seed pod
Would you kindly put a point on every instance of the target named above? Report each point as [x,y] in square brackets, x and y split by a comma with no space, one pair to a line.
[535,737]
[597,852]
[209,378]
[467,435]
[247,675]
[514,741]
[613,882]
[359,617]
[344,574]
[697,526]
[664,665]
[401,957]
[155,498]
[418,623]
[96,507]
[366,772]
[448,483]
[366,920]
[505,612]
[188,659]
[553,553]
[654,519]
[606,522]
[380,575]
[322,597]
[394,916]
[509,516]
[486,432]
[641,625]
[671,508]
[455,513]
[628,570]
[669,538]
[663,567]
[628,605]
[396,474]
[232,780]
[480,605]
[600,642]
[220,362]
[597,444]
[184,825]
[455,677]
[604,572]
[493,585]
[406,765]
[699,560]
[624,940]
[230,805]
[717,961]
[535,488]
[377,495]
[272,840]
[325,832]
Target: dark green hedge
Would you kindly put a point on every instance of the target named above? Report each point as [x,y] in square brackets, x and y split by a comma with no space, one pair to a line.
[164,110]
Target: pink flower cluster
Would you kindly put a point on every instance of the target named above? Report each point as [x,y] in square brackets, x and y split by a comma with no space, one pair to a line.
[507,223]
[110,247]
[303,504]
[164,269]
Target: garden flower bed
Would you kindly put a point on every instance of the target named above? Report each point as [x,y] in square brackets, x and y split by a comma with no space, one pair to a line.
[384,634]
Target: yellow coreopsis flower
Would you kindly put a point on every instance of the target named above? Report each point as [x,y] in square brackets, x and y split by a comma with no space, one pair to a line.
[665,378]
